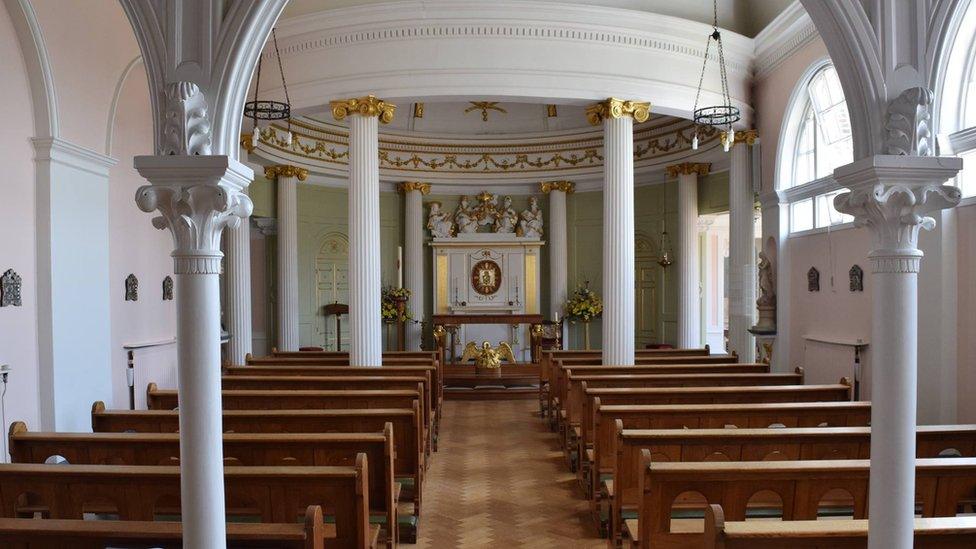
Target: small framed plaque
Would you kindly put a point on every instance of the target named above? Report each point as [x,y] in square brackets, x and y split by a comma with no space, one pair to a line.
[486,277]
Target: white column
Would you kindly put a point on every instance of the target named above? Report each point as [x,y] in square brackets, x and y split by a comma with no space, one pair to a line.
[413,253]
[689,303]
[287,299]
[742,260]
[618,224]
[365,325]
[238,265]
[196,197]
[891,194]
[558,244]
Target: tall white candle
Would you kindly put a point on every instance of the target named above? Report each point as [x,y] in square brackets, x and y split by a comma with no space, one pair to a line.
[399,266]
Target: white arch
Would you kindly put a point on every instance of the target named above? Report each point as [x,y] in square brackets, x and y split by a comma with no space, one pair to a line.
[113,108]
[44,98]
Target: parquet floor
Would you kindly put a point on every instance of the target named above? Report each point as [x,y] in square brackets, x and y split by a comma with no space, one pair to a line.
[499,481]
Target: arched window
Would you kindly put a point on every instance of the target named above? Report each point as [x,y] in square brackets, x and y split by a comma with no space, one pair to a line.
[816,140]
[957,112]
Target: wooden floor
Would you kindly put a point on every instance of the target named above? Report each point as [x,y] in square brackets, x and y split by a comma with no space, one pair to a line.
[499,480]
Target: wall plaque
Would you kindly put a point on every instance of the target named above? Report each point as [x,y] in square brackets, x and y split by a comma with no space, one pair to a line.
[168,288]
[813,280]
[857,278]
[131,288]
[10,284]
[486,277]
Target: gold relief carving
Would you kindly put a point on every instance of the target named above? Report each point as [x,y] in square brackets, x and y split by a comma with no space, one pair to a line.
[486,277]
[618,108]
[484,107]
[363,106]
[746,136]
[418,110]
[246,142]
[284,170]
[408,186]
[688,168]
[551,111]
[567,187]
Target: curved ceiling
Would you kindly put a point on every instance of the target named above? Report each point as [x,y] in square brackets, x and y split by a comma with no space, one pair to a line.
[746,17]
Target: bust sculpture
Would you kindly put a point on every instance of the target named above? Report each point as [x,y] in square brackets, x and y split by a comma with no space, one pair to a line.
[439,222]
[506,218]
[465,218]
[530,224]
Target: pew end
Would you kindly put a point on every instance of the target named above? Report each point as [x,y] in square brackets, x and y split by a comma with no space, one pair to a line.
[150,389]
[714,527]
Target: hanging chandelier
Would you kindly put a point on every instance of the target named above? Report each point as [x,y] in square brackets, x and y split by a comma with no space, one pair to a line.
[265,109]
[721,116]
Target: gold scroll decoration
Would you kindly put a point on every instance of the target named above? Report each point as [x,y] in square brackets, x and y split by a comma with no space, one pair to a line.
[687,168]
[408,186]
[747,136]
[565,186]
[285,170]
[618,108]
[363,106]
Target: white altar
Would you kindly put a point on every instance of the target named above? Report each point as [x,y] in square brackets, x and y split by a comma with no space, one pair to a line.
[484,274]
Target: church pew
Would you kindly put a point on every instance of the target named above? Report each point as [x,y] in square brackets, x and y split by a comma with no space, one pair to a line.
[337,383]
[251,450]
[782,444]
[331,354]
[930,533]
[31,533]
[407,431]
[705,416]
[144,493]
[940,486]
[547,357]
[575,382]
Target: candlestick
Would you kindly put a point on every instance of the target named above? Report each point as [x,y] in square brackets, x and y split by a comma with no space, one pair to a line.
[399,266]
[335,289]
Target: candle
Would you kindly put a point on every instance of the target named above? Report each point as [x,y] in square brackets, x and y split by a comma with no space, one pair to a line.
[399,266]
[335,292]
[555,317]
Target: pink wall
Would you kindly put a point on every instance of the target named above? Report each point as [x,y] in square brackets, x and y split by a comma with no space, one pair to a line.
[136,247]
[18,325]
[966,348]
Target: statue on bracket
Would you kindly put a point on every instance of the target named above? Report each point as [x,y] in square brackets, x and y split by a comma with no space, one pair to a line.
[506,218]
[465,218]
[131,288]
[439,222]
[857,278]
[813,280]
[530,224]
[767,285]
[168,288]
[10,284]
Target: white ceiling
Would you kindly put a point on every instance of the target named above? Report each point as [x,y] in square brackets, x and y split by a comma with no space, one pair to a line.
[746,17]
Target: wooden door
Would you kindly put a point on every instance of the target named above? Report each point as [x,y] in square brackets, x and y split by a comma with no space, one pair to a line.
[331,286]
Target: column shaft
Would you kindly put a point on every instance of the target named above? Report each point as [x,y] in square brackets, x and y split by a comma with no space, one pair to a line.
[742,261]
[287,305]
[238,279]
[618,241]
[558,252]
[365,324]
[413,274]
[689,307]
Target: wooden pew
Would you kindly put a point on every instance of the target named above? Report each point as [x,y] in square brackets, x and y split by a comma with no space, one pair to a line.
[337,383]
[271,494]
[702,416]
[332,354]
[251,450]
[930,533]
[940,485]
[407,432]
[547,357]
[31,533]
[782,444]
[577,383]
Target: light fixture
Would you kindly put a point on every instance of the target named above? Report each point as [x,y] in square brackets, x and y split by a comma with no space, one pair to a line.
[667,253]
[716,116]
[259,110]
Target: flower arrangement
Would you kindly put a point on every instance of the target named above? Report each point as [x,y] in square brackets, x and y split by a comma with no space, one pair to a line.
[584,305]
[389,308]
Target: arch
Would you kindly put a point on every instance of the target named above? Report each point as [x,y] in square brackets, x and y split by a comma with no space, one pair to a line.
[113,108]
[792,118]
[836,502]
[764,505]
[44,99]
[687,508]
[952,20]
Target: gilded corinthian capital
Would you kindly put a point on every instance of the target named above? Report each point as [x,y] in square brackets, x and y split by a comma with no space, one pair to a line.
[408,186]
[285,170]
[618,108]
[565,186]
[688,168]
[363,106]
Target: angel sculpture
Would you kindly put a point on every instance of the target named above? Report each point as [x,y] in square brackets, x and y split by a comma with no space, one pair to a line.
[487,358]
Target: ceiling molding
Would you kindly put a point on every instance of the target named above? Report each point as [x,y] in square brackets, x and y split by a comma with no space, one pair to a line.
[789,32]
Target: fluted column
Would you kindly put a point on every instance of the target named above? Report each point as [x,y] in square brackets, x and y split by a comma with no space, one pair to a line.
[413,268]
[287,306]
[892,195]
[196,197]
[618,224]
[689,302]
[365,326]
[742,260]
[238,264]
[558,244]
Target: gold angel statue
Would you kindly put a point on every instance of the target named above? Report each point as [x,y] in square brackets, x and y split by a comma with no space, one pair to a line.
[486,357]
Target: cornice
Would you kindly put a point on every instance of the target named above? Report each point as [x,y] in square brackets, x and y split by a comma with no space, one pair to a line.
[788,32]
[61,151]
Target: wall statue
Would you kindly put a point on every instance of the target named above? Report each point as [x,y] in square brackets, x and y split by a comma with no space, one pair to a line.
[767,283]
[131,288]
[813,280]
[10,294]
[506,218]
[530,224]
[857,278]
[439,222]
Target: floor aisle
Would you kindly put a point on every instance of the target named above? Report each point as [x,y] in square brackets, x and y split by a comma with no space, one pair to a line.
[499,480]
